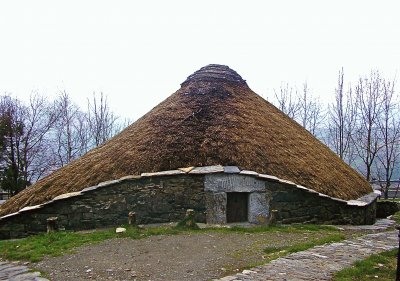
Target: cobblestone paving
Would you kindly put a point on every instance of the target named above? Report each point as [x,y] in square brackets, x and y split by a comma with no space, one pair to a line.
[319,263]
[16,271]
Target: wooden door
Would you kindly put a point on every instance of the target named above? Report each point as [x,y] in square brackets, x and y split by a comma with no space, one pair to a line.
[237,207]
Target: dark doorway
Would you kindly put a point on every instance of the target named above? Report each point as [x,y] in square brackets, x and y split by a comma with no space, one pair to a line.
[236,207]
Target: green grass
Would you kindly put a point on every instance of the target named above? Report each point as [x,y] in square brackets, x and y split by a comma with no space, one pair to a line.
[377,267]
[35,247]
[276,252]
[396,217]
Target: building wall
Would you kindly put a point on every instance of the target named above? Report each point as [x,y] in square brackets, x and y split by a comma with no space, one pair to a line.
[165,197]
[154,199]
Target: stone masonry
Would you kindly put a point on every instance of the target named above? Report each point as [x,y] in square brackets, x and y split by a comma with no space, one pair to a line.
[165,197]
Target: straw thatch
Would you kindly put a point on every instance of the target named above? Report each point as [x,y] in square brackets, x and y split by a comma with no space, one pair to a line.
[214,118]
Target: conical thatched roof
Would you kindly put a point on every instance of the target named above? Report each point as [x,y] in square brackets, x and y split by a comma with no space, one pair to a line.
[214,118]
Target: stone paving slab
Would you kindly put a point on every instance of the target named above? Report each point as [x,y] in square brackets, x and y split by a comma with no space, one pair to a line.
[320,262]
[15,271]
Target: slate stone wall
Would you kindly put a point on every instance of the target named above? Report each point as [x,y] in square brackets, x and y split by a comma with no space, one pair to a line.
[154,199]
[165,197]
[293,205]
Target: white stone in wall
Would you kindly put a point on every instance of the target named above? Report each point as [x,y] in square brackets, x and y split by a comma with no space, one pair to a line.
[91,188]
[67,195]
[28,208]
[268,177]
[105,183]
[163,173]
[287,182]
[207,170]
[324,195]
[186,170]
[356,203]
[130,177]
[9,215]
[250,173]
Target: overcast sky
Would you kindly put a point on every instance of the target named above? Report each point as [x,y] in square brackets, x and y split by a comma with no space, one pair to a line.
[138,52]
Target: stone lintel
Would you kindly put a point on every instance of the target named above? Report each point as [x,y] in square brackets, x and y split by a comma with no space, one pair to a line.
[232,183]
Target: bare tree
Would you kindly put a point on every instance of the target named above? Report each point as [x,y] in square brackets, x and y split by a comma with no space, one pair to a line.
[71,131]
[389,130]
[23,137]
[341,121]
[287,100]
[102,121]
[310,111]
[366,135]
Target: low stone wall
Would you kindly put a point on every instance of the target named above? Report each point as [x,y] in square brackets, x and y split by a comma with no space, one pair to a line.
[165,197]
[386,208]
[293,205]
[154,199]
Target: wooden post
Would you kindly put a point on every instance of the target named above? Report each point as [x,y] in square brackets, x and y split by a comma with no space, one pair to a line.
[189,217]
[131,218]
[52,224]
[272,218]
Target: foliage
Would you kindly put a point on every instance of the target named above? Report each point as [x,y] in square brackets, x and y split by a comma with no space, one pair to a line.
[376,267]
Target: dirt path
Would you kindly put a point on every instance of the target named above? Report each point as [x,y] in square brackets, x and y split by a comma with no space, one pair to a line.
[178,257]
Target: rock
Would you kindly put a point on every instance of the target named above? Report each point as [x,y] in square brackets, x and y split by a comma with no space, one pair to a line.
[67,195]
[163,173]
[231,170]
[250,173]
[186,170]
[248,271]
[207,170]
[120,230]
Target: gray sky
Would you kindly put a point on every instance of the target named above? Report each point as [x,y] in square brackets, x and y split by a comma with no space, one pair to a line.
[138,52]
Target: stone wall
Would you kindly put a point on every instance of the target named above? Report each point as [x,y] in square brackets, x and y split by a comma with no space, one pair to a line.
[165,197]
[294,205]
[154,199]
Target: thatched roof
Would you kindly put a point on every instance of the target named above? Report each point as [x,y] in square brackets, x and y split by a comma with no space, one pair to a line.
[214,118]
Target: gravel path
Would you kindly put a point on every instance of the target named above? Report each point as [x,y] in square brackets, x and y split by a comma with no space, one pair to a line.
[178,257]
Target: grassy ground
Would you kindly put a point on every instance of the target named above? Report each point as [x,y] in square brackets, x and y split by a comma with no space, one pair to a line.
[34,248]
[376,267]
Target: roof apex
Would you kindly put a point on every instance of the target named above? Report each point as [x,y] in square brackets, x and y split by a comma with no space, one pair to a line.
[215,73]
